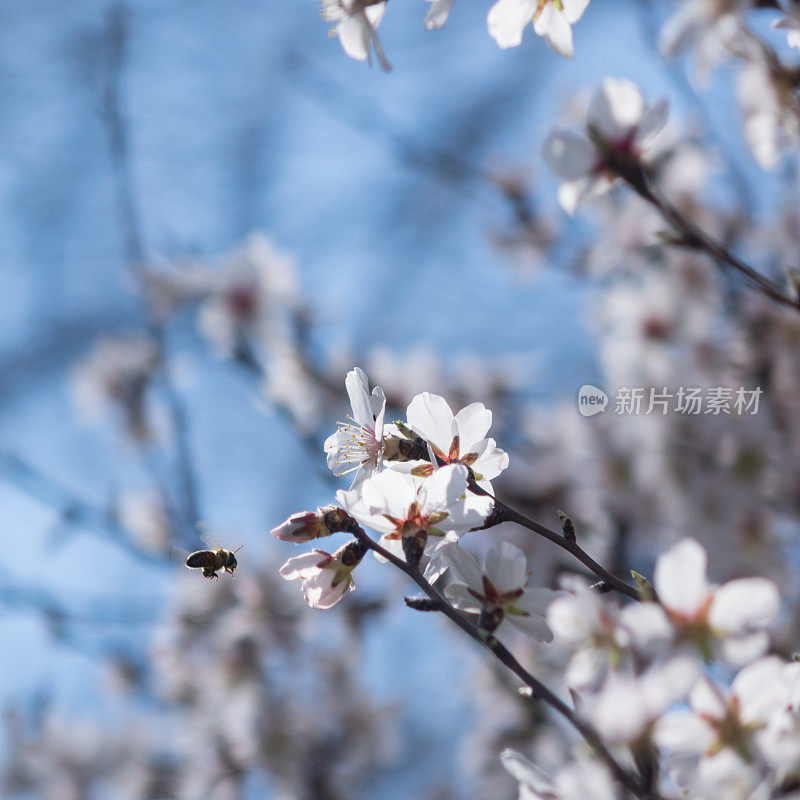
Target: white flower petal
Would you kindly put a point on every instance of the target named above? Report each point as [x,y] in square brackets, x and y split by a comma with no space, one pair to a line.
[467,514]
[319,591]
[355,34]
[464,566]
[393,546]
[438,14]
[301,566]
[357,386]
[430,417]
[653,120]
[586,666]
[569,155]
[741,605]
[554,26]
[741,650]
[389,492]
[647,625]
[573,9]
[491,460]
[442,490]
[507,20]
[378,411]
[683,731]
[459,595]
[526,773]
[585,780]
[533,626]
[375,13]
[680,577]
[616,110]
[506,567]
[707,701]
[473,423]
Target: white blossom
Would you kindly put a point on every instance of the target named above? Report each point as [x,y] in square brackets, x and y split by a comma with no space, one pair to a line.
[115,376]
[145,515]
[620,127]
[731,621]
[356,26]
[325,577]
[459,438]
[253,298]
[357,445]
[407,510]
[770,108]
[579,780]
[498,591]
[599,632]
[552,19]
[729,734]
[708,26]
[627,705]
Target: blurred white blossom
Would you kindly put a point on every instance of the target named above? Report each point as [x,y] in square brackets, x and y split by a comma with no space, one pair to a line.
[620,133]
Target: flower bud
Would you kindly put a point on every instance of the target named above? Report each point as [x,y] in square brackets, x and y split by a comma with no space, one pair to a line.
[306,526]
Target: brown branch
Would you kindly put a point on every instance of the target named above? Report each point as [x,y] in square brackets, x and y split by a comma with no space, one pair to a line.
[537,689]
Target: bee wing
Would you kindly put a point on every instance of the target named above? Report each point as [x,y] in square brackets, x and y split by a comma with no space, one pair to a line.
[207,536]
[178,555]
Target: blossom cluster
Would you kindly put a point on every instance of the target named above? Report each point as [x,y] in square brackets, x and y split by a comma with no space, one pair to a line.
[684,678]
[420,483]
[237,689]
[678,675]
[356,23]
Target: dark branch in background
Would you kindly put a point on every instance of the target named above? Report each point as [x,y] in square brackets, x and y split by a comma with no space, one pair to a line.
[430,161]
[694,237]
[187,513]
[88,611]
[246,359]
[651,25]
[504,656]
[361,114]
[72,509]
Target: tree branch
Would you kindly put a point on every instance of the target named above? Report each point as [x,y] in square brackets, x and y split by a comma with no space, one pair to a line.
[504,656]
[695,237]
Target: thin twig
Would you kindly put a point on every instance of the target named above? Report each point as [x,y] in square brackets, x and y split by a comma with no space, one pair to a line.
[94,611]
[738,179]
[73,509]
[697,238]
[130,219]
[504,513]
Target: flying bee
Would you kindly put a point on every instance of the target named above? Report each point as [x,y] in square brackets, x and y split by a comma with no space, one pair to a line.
[213,560]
